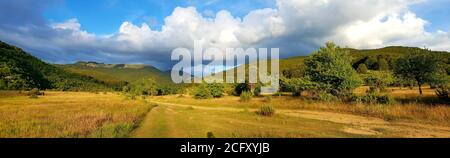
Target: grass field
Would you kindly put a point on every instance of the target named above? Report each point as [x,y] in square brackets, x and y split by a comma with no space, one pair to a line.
[69,114]
[409,111]
[78,114]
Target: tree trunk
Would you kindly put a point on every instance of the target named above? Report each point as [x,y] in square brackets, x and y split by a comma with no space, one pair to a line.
[420,89]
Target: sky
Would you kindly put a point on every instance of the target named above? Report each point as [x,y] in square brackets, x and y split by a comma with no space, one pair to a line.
[146,31]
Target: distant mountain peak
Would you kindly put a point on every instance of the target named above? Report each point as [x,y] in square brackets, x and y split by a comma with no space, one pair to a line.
[94,64]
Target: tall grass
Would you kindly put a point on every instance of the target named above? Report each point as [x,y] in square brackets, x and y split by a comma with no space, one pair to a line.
[70,115]
[409,106]
[246,96]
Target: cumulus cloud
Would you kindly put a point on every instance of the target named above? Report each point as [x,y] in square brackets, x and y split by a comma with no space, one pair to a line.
[294,26]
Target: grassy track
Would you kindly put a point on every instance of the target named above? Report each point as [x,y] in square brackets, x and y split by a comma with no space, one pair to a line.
[171,120]
[168,121]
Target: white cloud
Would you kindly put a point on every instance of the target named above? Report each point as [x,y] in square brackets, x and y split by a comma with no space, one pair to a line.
[71,24]
[378,31]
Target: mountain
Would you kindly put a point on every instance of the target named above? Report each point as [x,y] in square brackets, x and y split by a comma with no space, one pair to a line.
[20,71]
[117,73]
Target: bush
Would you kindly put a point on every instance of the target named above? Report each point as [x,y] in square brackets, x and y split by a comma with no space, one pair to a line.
[385,99]
[210,135]
[374,98]
[325,97]
[298,85]
[202,92]
[125,89]
[246,96]
[242,87]
[266,110]
[362,68]
[257,90]
[216,89]
[229,89]
[443,92]
[33,93]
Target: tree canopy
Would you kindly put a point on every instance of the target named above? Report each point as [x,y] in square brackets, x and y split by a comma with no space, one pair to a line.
[421,66]
[331,66]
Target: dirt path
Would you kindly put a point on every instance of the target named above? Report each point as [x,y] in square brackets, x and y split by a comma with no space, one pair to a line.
[354,124]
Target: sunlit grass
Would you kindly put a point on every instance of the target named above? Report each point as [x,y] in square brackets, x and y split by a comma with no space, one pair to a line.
[411,110]
[69,114]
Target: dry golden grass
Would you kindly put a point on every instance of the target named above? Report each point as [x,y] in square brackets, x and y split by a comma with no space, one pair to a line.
[77,114]
[69,114]
[411,110]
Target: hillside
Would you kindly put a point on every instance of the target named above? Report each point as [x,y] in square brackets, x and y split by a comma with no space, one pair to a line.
[117,73]
[21,71]
[292,66]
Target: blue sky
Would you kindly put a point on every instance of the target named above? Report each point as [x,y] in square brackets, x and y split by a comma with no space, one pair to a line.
[130,31]
[437,12]
[106,16]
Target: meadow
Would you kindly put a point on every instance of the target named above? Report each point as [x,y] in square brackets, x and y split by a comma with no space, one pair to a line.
[69,115]
[113,115]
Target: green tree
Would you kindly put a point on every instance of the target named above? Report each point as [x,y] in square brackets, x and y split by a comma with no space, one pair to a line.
[421,66]
[362,68]
[144,87]
[331,67]
[378,80]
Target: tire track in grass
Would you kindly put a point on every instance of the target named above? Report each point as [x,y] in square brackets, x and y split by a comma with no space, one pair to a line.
[153,125]
[355,124]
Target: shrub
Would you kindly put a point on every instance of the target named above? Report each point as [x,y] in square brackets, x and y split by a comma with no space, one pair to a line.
[229,89]
[325,97]
[385,99]
[362,68]
[210,135]
[374,98]
[266,110]
[298,85]
[382,64]
[242,87]
[202,92]
[216,89]
[443,92]
[125,89]
[257,90]
[246,96]
[33,93]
